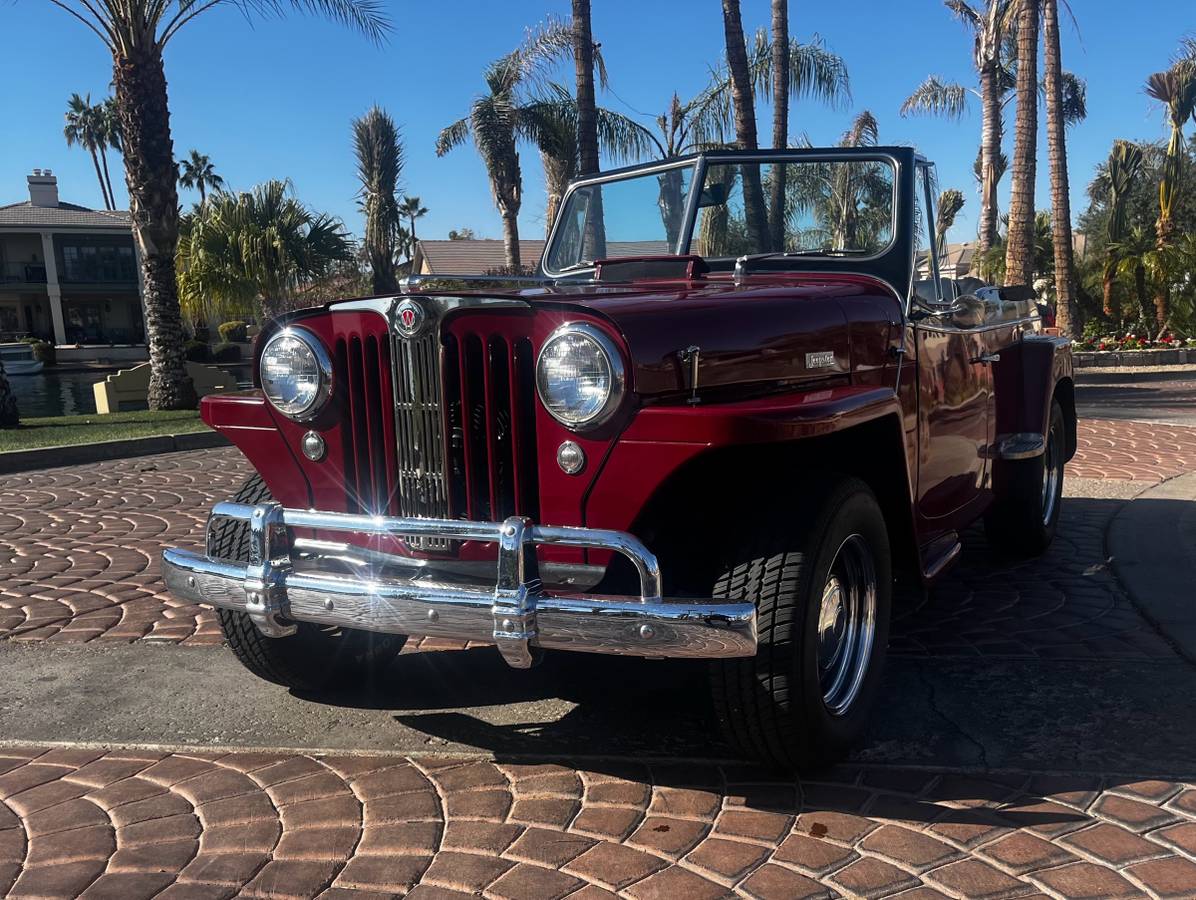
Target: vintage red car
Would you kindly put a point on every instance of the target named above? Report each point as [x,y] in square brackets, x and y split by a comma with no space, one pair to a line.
[713,426]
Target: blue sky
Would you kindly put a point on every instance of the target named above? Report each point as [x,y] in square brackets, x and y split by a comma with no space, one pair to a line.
[274,99]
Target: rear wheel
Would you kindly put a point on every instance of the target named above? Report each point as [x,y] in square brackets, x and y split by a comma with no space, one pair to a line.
[315,656]
[1023,520]
[822,590]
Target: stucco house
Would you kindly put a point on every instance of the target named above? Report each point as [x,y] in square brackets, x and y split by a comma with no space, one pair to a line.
[69,274]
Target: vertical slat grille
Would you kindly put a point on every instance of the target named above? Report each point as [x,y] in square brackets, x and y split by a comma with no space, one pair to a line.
[491,426]
[362,363]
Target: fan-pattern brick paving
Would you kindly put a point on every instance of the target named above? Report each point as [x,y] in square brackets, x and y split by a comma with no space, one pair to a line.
[134,825]
[79,546]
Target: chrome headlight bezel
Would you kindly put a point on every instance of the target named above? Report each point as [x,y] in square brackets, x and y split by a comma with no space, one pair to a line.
[613,359]
[323,364]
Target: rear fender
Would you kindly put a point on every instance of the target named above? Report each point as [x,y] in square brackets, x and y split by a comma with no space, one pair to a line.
[1030,375]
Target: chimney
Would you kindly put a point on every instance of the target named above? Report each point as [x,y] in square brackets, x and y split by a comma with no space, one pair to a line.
[43,188]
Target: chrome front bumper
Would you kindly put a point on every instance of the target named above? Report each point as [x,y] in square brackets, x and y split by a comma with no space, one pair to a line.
[282,585]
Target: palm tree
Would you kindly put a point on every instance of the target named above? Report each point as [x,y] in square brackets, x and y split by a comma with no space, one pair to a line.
[85,127]
[1060,184]
[1125,161]
[196,172]
[990,24]
[550,121]
[379,165]
[136,32]
[110,140]
[494,118]
[1019,255]
[1176,90]
[951,201]
[261,246]
[1135,254]
[411,209]
[743,99]
[10,416]
[587,107]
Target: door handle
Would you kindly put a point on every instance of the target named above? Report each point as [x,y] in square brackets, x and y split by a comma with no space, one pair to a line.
[987,359]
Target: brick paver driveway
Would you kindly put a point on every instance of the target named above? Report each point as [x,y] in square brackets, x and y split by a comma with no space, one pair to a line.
[78,551]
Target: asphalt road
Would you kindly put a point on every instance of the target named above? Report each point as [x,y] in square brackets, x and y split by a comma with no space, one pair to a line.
[1167,397]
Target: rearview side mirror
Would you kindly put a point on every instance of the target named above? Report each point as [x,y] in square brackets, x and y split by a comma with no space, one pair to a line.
[713,195]
[1018,293]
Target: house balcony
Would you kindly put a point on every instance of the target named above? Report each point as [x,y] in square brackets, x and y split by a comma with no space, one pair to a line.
[22,274]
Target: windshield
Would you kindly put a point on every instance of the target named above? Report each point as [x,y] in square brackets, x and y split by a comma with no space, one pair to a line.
[639,216]
[832,207]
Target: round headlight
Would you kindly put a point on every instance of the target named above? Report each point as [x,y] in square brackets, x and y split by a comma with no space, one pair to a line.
[296,373]
[579,375]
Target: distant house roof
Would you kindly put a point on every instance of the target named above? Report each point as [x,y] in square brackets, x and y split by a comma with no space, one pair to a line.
[474,257]
[64,214]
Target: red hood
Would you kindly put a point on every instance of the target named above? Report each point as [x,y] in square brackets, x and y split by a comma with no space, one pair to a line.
[758,331]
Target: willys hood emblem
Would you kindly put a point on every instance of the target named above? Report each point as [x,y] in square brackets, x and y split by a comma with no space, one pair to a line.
[409,317]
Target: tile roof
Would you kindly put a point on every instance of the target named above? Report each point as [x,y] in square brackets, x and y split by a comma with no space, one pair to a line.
[26,214]
[478,257]
[475,257]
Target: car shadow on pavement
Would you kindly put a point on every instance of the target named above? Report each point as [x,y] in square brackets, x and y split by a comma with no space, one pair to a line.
[1040,665]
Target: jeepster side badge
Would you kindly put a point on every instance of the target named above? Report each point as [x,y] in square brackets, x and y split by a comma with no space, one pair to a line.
[823,359]
[409,318]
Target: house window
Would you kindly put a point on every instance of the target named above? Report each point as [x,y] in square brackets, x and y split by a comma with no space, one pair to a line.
[98,263]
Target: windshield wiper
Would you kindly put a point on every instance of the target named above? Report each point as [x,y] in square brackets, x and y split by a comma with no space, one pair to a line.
[743,263]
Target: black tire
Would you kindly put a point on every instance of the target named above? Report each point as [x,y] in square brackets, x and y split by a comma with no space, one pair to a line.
[772,706]
[316,656]
[1023,520]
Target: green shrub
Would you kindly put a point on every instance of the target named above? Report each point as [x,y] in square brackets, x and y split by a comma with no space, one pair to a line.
[233,331]
[42,350]
[197,351]
[226,353]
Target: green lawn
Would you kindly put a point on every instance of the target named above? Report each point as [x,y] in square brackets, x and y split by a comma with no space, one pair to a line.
[59,431]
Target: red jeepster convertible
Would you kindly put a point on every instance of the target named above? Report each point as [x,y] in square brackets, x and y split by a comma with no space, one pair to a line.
[707,429]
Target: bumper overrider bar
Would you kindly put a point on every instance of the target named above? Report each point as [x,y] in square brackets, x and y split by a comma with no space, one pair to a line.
[517,614]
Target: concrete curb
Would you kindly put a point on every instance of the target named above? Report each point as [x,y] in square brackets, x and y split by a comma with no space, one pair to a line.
[81,454]
[1135,375]
[1152,545]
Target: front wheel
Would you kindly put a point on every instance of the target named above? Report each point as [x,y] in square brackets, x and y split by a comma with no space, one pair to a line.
[822,582]
[315,656]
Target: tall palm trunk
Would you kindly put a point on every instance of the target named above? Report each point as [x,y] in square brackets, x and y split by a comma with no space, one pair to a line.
[107,178]
[1108,285]
[203,194]
[1019,252]
[556,180]
[153,203]
[990,153]
[1060,187]
[745,124]
[780,118]
[9,416]
[587,110]
[95,161]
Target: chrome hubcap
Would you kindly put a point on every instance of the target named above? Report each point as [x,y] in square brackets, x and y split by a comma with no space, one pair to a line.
[1052,472]
[846,624]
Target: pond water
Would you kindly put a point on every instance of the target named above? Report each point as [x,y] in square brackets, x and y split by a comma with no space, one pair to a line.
[51,393]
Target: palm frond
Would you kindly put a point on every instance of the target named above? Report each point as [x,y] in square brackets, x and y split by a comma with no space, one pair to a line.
[453,136]
[864,131]
[965,13]
[1075,98]
[938,98]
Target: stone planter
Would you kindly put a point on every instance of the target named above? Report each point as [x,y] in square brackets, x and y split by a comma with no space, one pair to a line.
[1110,358]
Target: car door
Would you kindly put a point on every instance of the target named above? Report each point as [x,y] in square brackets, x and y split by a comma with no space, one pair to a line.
[955,387]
